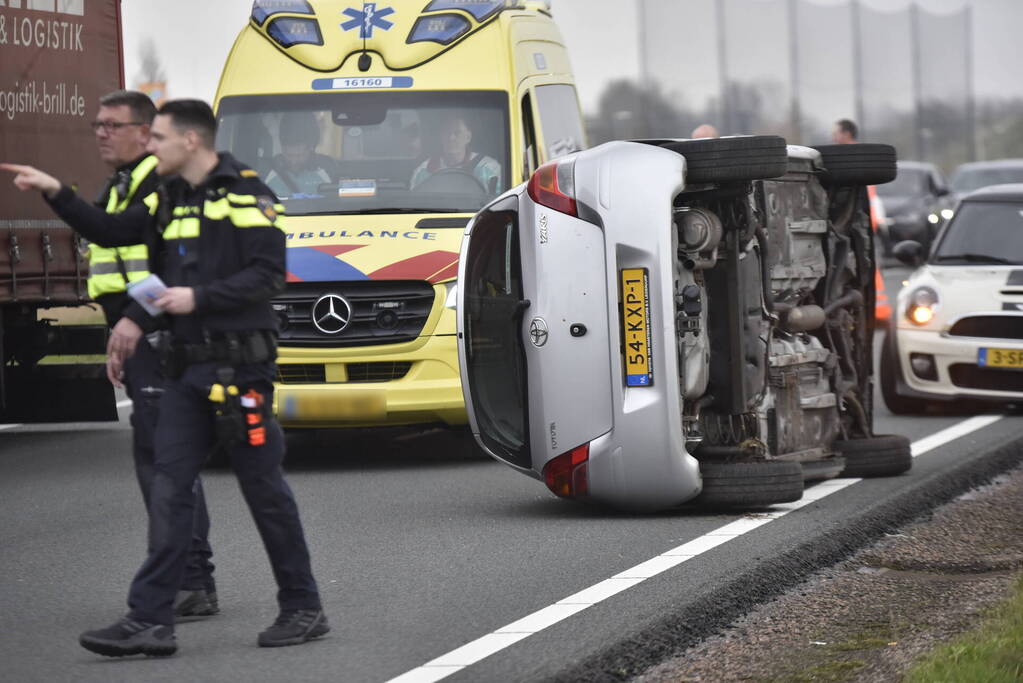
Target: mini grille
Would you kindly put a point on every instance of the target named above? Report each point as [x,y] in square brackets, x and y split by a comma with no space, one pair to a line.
[301,373]
[992,326]
[382,312]
[377,372]
[974,377]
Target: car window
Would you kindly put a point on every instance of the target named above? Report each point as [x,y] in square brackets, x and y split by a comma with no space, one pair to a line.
[560,122]
[969,179]
[909,182]
[373,152]
[983,232]
[492,322]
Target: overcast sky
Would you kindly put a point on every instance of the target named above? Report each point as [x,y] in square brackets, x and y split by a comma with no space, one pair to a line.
[193,37]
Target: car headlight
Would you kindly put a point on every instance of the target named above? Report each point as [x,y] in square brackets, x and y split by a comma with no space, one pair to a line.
[934,219]
[947,214]
[452,298]
[923,305]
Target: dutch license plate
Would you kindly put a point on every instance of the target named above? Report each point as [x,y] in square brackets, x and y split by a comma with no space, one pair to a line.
[639,361]
[1000,358]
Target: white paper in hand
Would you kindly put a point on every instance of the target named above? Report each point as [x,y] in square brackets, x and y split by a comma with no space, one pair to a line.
[146,291]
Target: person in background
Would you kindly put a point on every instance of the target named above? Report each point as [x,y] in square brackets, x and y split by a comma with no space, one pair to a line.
[845,132]
[704,130]
[298,170]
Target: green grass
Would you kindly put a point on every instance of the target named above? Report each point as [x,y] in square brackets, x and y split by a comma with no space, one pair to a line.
[991,653]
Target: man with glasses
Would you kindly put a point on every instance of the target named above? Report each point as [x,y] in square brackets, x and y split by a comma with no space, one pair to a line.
[122,133]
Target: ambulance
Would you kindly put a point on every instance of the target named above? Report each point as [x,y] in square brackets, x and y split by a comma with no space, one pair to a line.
[383,127]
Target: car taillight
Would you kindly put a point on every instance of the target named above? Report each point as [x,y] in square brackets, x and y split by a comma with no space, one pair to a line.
[567,475]
[553,185]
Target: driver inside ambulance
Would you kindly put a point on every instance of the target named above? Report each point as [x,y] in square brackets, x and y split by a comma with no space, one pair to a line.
[455,154]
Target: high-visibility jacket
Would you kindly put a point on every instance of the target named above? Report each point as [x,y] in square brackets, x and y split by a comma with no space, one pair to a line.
[111,269]
[882,307]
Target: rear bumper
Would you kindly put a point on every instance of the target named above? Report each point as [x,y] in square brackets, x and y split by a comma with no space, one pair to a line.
[429,393]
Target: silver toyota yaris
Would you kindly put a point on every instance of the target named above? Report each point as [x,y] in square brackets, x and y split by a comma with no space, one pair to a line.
[644,323]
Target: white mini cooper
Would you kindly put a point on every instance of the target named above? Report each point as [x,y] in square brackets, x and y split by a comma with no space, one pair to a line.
[957,331]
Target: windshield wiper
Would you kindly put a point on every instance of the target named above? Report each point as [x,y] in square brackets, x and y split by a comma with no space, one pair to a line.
[976,258]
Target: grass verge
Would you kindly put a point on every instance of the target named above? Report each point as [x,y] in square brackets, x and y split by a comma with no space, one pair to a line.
[991,653]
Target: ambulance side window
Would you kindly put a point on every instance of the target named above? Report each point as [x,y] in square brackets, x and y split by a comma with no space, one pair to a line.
[562,126]
[529,162]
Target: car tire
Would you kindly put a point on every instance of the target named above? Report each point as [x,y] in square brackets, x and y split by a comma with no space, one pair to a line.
[715,160]
[875,456]
[890,371]
[859,164]
[750,484]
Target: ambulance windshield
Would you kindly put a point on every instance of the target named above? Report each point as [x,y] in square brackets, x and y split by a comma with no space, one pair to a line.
[373,152]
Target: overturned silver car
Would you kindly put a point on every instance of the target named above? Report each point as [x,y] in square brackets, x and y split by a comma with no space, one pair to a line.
[649,323]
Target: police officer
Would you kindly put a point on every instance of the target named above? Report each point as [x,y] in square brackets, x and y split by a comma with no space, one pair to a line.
[122,134]
[217,241]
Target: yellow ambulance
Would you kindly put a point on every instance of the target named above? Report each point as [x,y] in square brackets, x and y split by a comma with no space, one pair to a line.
[383,127]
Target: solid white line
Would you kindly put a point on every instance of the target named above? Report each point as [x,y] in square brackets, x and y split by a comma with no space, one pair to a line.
[954,432]
[3,427]
[481,648]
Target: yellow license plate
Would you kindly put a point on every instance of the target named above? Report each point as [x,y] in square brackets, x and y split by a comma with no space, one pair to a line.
[1000,358]
[639,360]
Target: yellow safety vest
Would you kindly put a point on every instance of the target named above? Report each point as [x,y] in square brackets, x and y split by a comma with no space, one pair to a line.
[108,267]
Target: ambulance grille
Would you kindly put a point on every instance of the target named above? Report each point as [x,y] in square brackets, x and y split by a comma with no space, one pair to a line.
[377,313]
[315,373]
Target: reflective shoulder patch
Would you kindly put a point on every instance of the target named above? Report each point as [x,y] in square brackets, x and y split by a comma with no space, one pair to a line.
[248,173]
[266,205]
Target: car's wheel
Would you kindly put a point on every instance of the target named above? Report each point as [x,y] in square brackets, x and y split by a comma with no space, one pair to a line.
[890,371]
[750,484]
[860,164]
[875,456]
[829,468]
[715,160]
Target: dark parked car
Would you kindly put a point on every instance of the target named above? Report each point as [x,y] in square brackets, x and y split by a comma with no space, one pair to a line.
[978,174]
[916,203]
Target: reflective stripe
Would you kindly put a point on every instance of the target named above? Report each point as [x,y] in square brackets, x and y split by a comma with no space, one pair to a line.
[182,228]
[107,267]
[138,174]
[181,211]
[245,199]
[152,200]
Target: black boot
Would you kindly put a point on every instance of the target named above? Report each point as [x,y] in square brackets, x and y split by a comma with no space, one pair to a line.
[294,627]
[131,637]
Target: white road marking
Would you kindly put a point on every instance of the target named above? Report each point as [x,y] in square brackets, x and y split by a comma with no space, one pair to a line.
[3,427]
[492,643]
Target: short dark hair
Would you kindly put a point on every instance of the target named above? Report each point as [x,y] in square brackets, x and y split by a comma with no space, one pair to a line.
[192,115]
[142,108]
[849,127]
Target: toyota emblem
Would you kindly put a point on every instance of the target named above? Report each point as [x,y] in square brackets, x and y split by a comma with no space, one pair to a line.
[331,314]
[538,333]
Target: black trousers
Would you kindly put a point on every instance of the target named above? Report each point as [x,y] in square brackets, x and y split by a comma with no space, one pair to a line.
[184,438]
[144,383]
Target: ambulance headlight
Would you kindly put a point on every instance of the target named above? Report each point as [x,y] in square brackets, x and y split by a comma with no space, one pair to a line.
[261,9]
[439,28]
[288,31]
[481,10]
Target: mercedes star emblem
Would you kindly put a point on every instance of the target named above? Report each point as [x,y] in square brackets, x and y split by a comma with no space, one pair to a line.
[538,332]
[331,314]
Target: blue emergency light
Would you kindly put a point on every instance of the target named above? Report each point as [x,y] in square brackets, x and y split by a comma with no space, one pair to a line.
[288,31]
[261,9]
[439,28]
[480,9]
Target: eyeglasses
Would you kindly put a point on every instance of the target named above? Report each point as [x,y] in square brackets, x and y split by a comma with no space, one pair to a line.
[111,126]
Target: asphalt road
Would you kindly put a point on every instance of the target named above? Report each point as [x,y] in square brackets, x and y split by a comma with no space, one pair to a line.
[419,549]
